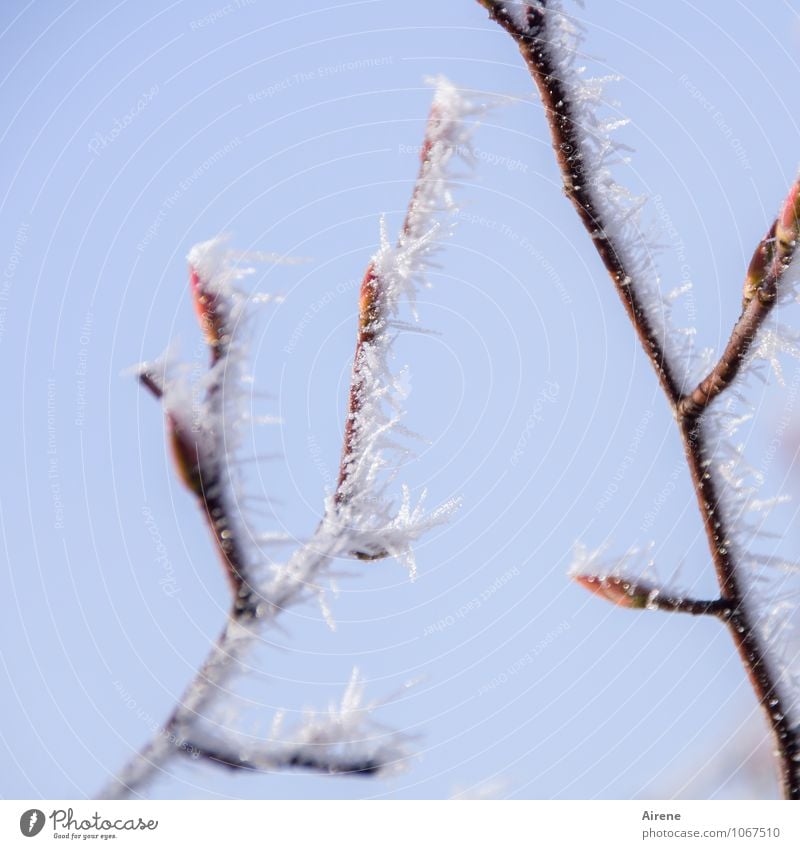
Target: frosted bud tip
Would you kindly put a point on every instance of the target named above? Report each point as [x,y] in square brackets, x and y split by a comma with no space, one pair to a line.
[617,590]
[207,307]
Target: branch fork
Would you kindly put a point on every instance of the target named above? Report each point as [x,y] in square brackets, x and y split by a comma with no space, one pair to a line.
[360,519]
[538,28]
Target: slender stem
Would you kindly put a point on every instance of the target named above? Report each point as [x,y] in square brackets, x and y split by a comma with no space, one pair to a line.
[372,319]
[769,263]
[639,595]
[269,761]
[694,607]
[152,384]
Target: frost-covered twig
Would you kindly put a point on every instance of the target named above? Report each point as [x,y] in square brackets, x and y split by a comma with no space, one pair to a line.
[623,593]
[769,264]
[361,517]
[583,148]
[376,395]
[200,429]
[548,41]
[342,741]
[629,581]
[391,273]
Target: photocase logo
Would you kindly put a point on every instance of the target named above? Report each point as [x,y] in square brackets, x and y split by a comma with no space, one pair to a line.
[31,822]
[65,824]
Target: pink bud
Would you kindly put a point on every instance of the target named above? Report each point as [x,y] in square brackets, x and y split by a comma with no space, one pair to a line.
[786,227]
[757,271]
[616,590]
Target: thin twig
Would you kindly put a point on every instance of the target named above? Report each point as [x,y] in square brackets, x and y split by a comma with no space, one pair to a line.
[372,313]
[639,595]
[769,263]
[443,139]
[269,761]
[694,607]
[201,471]
[151,383]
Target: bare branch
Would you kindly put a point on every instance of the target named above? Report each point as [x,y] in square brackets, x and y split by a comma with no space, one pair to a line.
[530,24]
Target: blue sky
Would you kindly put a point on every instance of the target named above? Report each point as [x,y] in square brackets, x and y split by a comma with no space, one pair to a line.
[133,131]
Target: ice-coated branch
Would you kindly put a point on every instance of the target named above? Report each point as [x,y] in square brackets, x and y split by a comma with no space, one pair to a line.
[754,652]
[547,39]
[202,437]
[342,741]
[375,403]
[391,272]
[360,517]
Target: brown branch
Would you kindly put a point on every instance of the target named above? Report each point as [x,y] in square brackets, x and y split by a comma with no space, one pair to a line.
[216,510]
[763,677]
[204,477]
[565,133]
[769,263]
[694,607]
[731,361]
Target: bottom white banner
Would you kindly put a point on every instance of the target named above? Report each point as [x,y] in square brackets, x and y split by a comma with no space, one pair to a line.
[404,825]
